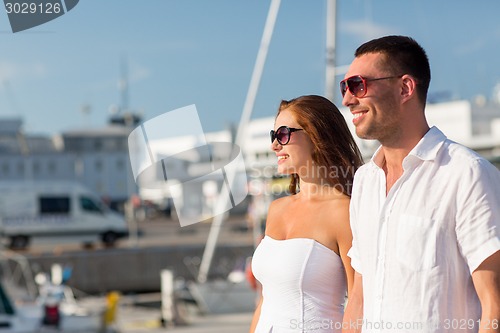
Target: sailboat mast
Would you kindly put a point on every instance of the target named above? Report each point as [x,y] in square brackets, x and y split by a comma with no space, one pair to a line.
[331,34]
[240,135]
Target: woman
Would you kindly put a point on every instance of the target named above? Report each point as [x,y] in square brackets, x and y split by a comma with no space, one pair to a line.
[302,261]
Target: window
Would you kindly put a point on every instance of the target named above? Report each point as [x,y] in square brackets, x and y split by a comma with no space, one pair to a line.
[74,144]
[98,144]
[90,205]
[54,205]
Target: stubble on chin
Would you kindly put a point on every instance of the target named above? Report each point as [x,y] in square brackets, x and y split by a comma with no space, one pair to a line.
[364,133]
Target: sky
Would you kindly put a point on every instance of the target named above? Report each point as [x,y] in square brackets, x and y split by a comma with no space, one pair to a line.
[64,74]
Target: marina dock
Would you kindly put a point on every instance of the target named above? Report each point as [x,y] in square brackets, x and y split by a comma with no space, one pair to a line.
[134,319]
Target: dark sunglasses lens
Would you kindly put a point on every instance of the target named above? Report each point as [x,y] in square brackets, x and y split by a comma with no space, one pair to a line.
[343,88]
[356,86]
[272,136]
[283,135]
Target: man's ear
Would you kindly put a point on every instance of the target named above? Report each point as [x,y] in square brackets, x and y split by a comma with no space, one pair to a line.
[408,87]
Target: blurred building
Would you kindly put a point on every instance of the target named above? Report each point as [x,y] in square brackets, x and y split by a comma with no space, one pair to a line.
[100,161]
[98,158]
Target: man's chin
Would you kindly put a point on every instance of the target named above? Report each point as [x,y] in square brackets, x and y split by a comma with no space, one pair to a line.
[362,134]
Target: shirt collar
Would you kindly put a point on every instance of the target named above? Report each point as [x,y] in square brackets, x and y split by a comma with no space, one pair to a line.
[425,150]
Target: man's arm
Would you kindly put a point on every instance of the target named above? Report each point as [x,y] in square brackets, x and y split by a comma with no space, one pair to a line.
[353,316]
[486,279]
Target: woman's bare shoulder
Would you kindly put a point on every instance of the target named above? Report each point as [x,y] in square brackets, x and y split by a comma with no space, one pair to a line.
[333,222]
[335,212]
[336,203]
[276,222]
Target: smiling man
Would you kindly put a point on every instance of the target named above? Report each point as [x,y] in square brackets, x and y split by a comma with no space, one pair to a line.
[425,211]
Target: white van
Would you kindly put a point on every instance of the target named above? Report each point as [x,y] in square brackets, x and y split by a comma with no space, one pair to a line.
[56,209]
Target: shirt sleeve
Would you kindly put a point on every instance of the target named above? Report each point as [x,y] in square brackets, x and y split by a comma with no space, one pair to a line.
[478,213]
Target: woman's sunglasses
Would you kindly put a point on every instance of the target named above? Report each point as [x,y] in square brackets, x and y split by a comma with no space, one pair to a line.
[282,134]
[357,85]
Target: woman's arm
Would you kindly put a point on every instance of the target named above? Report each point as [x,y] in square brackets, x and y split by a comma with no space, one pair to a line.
[353,314]
[344,241]
[256,316]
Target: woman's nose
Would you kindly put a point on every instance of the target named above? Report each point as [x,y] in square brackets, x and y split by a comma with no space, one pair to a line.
[275,146]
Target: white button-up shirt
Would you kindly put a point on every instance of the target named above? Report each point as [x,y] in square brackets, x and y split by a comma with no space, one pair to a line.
[417,246]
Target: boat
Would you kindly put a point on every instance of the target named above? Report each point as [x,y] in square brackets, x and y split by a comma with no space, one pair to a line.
[45,305]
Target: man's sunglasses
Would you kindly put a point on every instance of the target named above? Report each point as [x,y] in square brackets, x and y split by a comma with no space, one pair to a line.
[357,84]
[282,134]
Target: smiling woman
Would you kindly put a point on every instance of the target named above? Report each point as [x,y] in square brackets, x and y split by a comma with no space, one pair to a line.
[307,233]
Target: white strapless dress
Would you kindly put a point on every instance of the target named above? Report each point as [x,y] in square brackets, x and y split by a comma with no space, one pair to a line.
[303,285]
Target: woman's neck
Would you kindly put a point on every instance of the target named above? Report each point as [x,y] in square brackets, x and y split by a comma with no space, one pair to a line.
[318,190]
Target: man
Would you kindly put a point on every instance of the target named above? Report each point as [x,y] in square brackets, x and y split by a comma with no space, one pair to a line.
[425,211]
